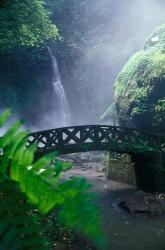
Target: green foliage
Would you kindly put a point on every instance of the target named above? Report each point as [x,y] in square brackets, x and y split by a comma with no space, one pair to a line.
[140,84]
[157,37]
[137,75]
[159,116]
[71,27]
[24,23]
[20,226]
[25,181]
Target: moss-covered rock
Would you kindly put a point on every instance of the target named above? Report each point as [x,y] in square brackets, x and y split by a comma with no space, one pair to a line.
[118,167]
[140,86]
[156,37]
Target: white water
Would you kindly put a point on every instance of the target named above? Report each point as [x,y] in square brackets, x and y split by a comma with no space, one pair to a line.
[63,117]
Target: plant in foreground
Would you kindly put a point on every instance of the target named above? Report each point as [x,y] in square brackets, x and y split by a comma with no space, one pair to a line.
[31,189]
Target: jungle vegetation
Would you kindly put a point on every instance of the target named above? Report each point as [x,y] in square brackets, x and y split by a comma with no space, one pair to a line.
[24,24]
[139,88]
[29,30]
[31,189]
[89,51]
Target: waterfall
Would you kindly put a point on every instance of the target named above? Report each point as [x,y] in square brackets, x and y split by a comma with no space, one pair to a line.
[63,117]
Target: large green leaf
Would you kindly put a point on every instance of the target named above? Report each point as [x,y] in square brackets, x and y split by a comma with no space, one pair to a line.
[40,182]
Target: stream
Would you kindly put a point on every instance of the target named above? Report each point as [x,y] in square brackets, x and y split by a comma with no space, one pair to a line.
[125,231]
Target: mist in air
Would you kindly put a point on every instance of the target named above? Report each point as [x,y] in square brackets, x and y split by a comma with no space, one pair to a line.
[115,30]
[111,32]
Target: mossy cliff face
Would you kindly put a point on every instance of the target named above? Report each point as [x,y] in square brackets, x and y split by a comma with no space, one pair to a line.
[140,87]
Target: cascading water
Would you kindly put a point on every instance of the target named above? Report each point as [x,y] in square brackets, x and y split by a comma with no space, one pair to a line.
[63,117]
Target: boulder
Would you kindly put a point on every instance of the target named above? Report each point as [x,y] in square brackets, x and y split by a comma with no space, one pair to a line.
[139,87]
[144,203]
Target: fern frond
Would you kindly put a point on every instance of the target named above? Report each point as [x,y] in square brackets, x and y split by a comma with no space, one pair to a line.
[20,228]
[40,182]
[4,117]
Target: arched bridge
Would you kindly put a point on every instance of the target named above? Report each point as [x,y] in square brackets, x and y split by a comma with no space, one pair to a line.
[93,138]
[145,148]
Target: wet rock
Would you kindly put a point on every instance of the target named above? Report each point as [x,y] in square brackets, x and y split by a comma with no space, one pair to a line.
[144,203]
[80,158]
[96,166]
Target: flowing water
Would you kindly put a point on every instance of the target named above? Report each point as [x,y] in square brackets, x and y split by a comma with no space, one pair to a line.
[56,111]
[63,117]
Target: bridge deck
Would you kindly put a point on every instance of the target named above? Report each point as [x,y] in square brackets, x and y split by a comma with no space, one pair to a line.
[95,137]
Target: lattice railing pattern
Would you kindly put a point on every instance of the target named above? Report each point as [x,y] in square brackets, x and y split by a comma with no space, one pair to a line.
[94,137]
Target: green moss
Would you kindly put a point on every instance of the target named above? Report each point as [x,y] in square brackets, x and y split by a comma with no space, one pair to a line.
[141,84]
[156,37]
[140,71]
[159,115]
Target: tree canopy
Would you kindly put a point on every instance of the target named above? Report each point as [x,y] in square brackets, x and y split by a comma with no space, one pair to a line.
[24,23]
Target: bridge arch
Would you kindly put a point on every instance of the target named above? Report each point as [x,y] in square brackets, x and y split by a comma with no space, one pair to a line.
[144,147]
[94,138]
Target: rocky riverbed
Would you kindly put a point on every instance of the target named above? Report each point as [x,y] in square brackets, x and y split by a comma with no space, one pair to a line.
[132,220]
